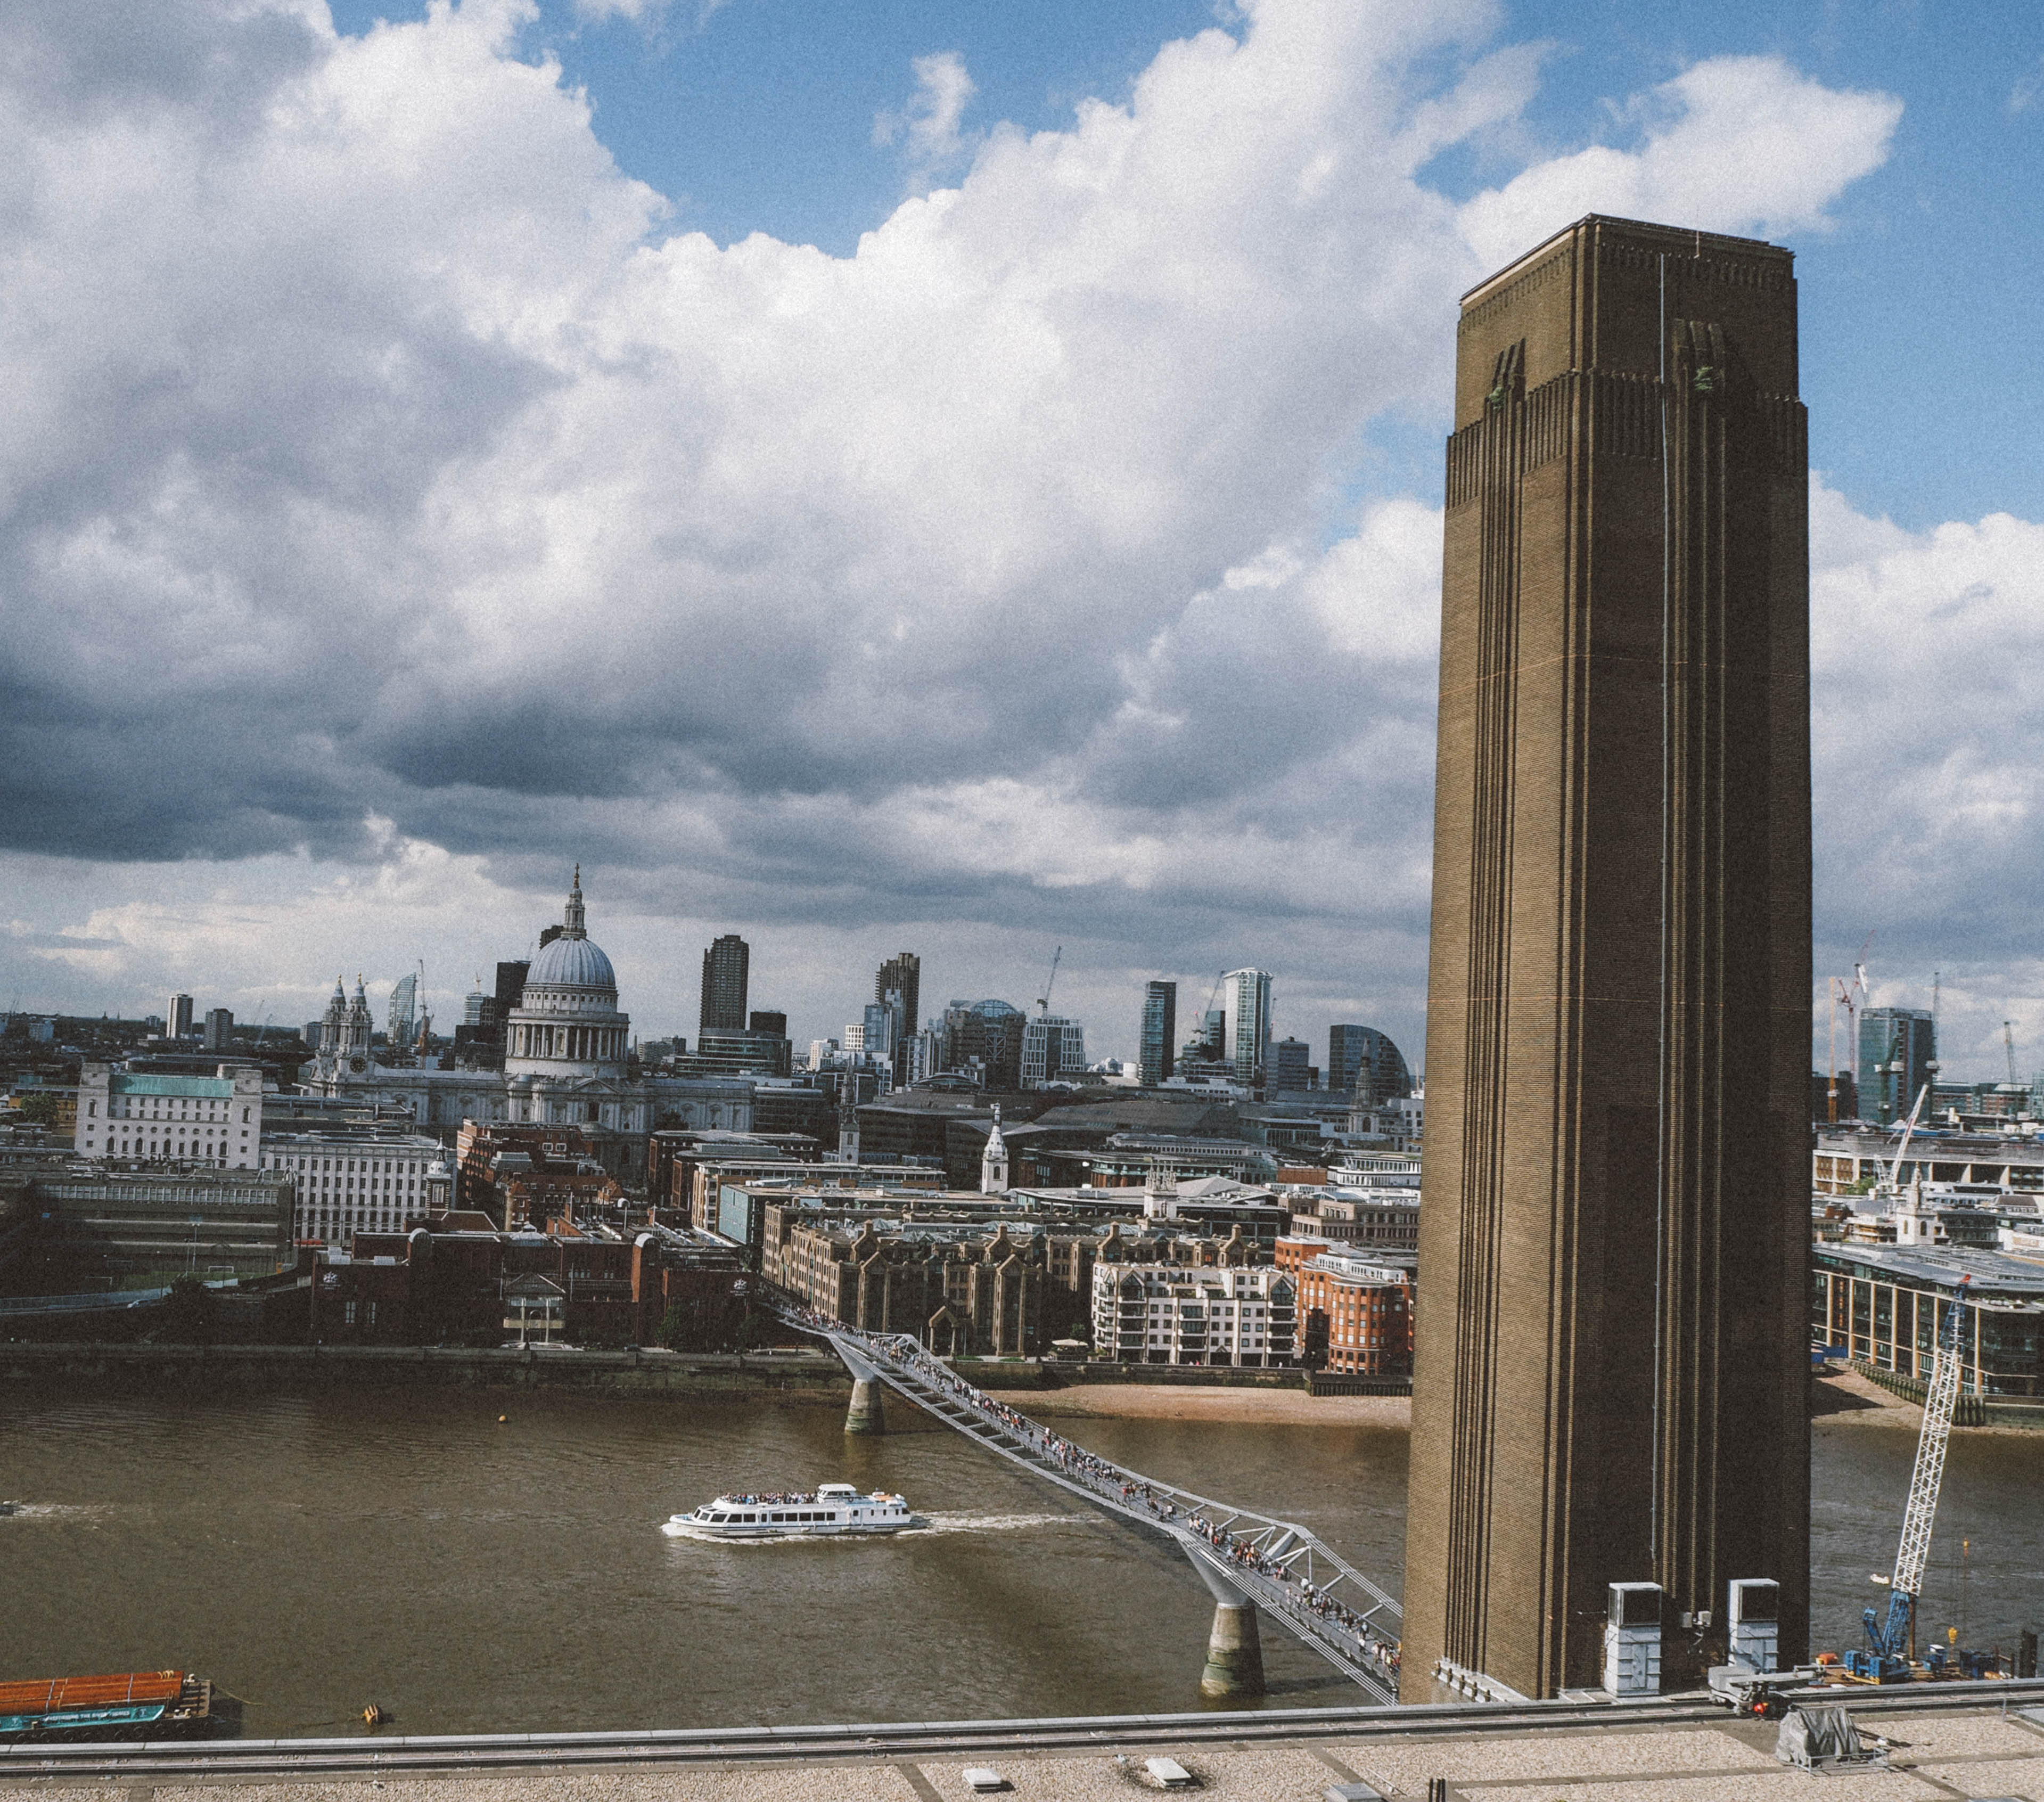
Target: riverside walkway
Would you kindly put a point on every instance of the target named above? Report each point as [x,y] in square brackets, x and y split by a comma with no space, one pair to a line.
[1249,1561]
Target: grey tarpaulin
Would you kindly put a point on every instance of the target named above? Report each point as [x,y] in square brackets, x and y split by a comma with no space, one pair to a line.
[1816,1737]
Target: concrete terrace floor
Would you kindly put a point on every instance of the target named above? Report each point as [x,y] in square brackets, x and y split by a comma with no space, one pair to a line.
[1975,1751]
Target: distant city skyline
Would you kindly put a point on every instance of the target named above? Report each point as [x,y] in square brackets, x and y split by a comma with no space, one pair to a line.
[922,475]
[1305,1008]
[739,970]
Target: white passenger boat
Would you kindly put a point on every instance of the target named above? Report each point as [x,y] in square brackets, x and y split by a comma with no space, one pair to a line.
[835,1507]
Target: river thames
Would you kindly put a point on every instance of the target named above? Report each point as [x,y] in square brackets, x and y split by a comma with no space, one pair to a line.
[314,1551]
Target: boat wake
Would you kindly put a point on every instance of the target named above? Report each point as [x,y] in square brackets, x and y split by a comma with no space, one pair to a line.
[57,1511]
[1003,1523]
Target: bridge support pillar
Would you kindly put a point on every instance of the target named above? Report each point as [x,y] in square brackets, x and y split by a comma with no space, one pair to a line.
[1235,1652]
[866,1414]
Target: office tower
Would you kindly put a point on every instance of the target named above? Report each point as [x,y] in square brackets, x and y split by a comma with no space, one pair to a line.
[1611,1363]
[474,1005]
[178,1025]
[1207,1043]
[1347,1053]
[219,1030]
[898,983]
[401,1017]
[510,990]
[752,1051]
[1053,1051]
[1357,1051]
[1289,1067]
[880,1025]
[985,1038]
[765,1020]
[1160,1028]
[1249,991]
[1898,1055]
[726,966]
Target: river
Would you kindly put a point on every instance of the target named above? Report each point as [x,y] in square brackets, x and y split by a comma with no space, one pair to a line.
[314,1551]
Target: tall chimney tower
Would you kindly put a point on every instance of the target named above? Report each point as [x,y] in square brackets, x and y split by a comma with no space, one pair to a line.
[1614,1245]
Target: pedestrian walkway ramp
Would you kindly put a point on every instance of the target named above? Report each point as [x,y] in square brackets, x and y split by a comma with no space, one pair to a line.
[1250,1560]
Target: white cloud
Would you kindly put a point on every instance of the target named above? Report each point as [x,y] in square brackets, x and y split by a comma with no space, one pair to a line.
[373,451]
[1734,144]
[2028,87]
[1927,669]
[647,12]
[927,128]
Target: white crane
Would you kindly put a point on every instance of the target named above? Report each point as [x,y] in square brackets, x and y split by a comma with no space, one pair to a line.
[1893,1635]
[1043,1000]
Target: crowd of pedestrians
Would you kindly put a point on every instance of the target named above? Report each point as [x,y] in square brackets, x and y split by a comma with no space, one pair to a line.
[1281,1588]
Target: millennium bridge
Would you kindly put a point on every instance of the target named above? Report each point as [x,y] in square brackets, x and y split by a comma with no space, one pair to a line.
[1249,1561]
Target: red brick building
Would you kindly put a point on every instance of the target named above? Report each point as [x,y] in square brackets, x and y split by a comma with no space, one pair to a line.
[1357,1317]
[439,1285]
[523,1174]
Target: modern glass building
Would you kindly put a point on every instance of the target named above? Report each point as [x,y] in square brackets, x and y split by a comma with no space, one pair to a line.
[1251,989]
[1160,1030]
[1289,1067]
[1898,1055]
[1354,1051]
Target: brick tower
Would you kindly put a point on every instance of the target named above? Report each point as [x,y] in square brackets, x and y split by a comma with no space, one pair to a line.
[1614,1247]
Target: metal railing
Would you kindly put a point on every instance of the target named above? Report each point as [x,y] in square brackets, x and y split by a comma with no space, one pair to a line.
[1282,1566]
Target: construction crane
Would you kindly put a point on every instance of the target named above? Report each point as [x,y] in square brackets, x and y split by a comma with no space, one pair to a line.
[1848,997]
[1851,997]
[424,1033]
[1892,1634]
[1050,982]
[1210,994]
[1894,1184]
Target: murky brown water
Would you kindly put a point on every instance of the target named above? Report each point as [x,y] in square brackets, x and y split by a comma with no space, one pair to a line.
[313,1552]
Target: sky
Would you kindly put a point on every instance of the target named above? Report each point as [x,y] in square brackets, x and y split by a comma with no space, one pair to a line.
[957,478]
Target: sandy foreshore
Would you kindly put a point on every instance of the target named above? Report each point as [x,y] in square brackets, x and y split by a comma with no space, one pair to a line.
[1846,1398]
[1161,1401]
[1849,1397]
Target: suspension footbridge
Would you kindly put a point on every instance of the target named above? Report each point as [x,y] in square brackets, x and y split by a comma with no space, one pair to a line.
[1249,1561]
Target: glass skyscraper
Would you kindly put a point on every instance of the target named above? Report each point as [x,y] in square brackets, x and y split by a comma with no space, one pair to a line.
[1898,1055]
[1252,991]
[1160,1032]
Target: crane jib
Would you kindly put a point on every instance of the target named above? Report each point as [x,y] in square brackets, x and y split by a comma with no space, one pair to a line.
[1889,1633]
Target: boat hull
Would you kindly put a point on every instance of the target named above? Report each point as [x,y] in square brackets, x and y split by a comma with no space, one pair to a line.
[153,1704]
[686,1527]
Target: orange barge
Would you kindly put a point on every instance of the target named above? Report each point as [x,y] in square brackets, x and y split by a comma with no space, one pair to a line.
[145,1702]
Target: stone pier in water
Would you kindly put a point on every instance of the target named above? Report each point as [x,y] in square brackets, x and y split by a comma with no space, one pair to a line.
[867,1414]
[1235,1652]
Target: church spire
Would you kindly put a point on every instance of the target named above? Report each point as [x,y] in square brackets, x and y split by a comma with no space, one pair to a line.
[994,1160]
[571,920]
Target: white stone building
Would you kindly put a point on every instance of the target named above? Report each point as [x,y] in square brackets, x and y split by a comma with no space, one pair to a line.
[566,1047]
[358,1182]
[215,1120]
[1176,1314]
